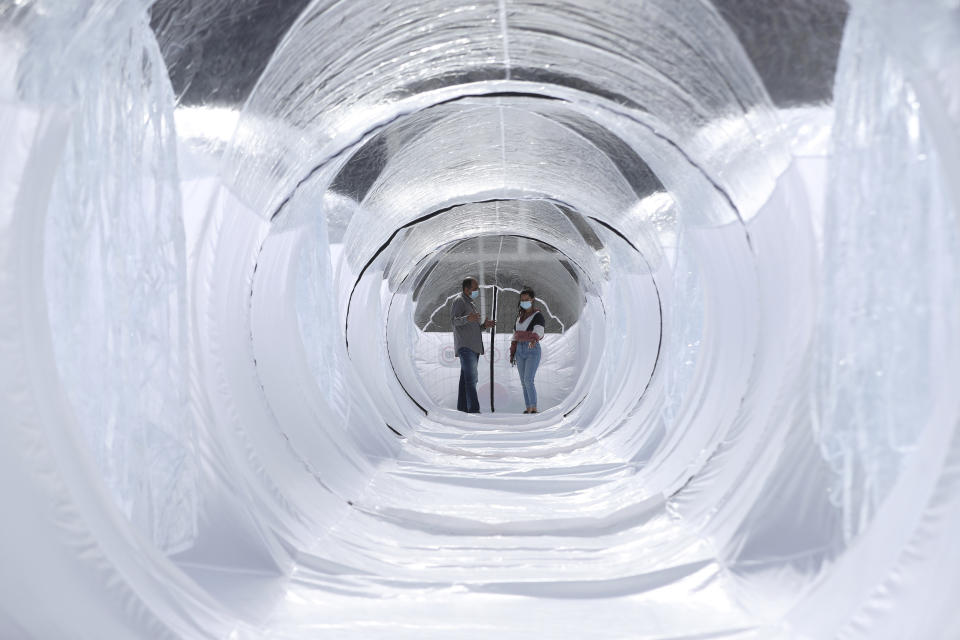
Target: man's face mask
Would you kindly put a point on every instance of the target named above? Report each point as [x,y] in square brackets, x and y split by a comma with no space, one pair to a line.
[525,304]
[475,293]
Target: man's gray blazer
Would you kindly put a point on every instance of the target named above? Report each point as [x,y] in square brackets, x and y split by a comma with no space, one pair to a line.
[466,333]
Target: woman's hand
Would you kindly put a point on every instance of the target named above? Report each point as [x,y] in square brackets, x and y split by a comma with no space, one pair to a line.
[533,343]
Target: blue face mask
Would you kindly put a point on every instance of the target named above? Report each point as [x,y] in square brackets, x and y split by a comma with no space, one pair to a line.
[526,304]
[475,294]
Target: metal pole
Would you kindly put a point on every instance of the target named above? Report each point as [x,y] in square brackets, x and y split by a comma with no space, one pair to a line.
[493,353]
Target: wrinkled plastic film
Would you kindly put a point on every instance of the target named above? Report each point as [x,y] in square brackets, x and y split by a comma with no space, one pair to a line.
[226,276]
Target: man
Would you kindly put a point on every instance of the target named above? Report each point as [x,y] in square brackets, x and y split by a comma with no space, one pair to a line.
[468,343]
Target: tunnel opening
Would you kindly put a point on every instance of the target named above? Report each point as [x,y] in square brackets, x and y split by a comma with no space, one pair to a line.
[505,265]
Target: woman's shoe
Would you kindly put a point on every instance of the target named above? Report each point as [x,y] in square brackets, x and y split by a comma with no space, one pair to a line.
[526,410]
[533,410]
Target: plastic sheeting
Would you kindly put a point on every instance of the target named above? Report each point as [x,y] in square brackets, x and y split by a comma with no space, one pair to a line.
[226,411]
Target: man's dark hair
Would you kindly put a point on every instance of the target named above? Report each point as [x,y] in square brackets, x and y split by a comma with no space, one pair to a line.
[468,283]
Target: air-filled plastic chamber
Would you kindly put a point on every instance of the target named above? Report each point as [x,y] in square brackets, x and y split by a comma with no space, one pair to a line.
[232,233]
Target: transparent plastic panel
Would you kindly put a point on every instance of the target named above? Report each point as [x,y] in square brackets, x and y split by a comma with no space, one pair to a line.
[115,263]
[889,277]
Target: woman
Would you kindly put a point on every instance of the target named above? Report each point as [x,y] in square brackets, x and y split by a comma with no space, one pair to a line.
[525,346]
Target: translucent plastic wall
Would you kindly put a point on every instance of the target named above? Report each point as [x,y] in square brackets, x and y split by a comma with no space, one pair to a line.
[225,259]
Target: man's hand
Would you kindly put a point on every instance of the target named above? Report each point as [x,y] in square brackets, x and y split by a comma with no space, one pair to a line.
[488,324]
[473,317]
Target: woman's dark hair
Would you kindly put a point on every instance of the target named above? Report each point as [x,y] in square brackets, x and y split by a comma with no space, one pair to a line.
[468,283]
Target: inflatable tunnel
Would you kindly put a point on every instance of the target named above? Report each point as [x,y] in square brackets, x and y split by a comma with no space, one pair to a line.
[230,235]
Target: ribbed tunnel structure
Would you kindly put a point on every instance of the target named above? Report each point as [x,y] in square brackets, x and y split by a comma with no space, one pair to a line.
[231,235]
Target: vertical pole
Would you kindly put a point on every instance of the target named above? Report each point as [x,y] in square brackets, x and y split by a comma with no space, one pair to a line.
[493,353]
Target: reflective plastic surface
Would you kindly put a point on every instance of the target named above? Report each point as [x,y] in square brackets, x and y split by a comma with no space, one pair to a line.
[231,232]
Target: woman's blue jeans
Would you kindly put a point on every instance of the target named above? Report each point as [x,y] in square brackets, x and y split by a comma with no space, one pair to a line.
[528,359]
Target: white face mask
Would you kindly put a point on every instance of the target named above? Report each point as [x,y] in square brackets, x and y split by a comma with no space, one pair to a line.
[525,304]
[475,294]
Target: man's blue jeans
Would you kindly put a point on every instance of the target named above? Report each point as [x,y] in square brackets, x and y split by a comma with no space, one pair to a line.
[468,400]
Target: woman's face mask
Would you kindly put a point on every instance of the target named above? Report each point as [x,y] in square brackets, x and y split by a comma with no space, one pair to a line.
[475,294]
[525,304]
